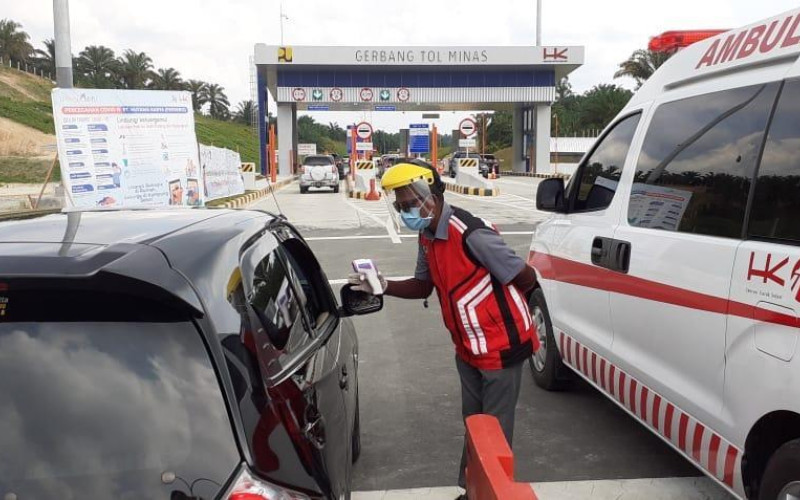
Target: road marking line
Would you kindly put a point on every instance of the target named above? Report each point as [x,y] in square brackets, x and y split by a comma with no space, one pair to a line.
[344,281]
[382,236]
[486,199]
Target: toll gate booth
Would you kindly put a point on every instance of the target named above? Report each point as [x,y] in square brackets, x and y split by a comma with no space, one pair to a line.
[521,79]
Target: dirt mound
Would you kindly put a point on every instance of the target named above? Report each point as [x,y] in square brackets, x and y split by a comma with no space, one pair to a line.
[19,140]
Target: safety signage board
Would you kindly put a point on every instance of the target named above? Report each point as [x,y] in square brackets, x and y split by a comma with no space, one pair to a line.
[467,127]
[467,143]
[364,130]
[363,146]
[306,149]
[318,107]
[419,138]
[385,108]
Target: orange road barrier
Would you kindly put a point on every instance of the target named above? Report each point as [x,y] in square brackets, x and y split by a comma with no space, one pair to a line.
[373,195]
[490,463]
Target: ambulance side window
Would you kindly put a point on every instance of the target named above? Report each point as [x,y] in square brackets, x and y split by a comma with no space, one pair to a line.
[776,202]
[697,161]
[594,185]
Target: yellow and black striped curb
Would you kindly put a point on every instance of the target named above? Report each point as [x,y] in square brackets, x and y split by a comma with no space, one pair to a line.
[538,176]
[457,188]
[252,196]
[360,195]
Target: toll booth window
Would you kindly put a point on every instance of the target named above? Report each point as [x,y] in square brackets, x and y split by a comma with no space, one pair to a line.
[597,180]
[699,154]
[776,200]
[276,303]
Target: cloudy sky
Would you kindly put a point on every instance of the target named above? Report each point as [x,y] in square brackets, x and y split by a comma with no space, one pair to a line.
[213,39]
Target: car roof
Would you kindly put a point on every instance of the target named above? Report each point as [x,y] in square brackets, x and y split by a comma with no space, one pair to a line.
[178,251]
[708,60]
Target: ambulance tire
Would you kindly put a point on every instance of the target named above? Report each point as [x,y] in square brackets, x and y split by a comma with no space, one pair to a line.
[783,469]
[356,438]
[553,376]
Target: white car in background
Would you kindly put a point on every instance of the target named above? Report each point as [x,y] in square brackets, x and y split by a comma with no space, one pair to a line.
[670,269]
[319,171]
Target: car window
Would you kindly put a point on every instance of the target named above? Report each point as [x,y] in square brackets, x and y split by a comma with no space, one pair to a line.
[277,304]
[699,154]
[307,273]
[313,161]
[776,201]
[104,393]
[594,185]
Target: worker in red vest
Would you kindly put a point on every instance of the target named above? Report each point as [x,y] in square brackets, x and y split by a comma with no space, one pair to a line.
[482,287]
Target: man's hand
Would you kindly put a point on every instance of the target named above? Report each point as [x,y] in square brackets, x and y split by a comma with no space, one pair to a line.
[362,285]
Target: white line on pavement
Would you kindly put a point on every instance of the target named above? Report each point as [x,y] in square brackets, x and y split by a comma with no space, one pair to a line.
[487,199]
[345,280]
[383,237]
[387,223]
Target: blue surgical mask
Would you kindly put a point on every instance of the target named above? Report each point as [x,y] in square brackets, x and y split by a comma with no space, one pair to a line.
[414,221]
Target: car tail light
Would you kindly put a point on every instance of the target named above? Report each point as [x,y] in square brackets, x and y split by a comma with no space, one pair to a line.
[674,40]
[247,487]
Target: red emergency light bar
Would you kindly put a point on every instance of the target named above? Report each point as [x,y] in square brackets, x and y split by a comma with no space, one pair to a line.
[673,40]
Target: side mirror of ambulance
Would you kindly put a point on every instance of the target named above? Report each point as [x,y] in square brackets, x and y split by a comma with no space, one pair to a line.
[550,195]
[356,303]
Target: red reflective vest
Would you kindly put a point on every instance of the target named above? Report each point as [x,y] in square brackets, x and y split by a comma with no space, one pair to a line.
[489,322]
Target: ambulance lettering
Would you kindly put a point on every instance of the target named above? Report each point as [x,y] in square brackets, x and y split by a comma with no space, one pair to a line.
[761,39]
[772,271]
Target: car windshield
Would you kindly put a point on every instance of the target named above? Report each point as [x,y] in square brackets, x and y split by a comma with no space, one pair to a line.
[104,408]
[315,161]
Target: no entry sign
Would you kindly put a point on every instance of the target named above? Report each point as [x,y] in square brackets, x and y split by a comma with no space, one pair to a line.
[467,127]
[364,130]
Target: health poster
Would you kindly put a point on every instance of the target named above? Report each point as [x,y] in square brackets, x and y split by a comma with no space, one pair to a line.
[127,148]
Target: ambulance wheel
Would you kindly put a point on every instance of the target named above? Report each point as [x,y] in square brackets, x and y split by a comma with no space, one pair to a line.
[548,371]
[781,479]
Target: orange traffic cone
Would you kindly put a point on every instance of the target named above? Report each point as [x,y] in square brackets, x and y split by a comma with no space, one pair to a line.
[373,195]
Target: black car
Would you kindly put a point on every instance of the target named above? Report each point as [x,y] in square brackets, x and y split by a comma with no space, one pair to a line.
[191,354]
[492,165]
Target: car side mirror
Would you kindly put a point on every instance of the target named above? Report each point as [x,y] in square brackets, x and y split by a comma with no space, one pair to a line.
[550,195]
[357,303]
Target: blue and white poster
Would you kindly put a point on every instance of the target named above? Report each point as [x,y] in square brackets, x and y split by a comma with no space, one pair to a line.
[127,148]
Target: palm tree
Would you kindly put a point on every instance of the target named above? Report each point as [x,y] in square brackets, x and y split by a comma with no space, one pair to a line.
[14,44]
[97,67]
[135,69]
[217,101]
[601,104]
[45,60]
[167,79]
[641,65]
[246,112]
[197,88]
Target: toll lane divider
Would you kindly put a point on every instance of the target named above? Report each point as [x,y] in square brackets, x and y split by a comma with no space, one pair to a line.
[490,463]
[531,174]
[474,191]
[251,196]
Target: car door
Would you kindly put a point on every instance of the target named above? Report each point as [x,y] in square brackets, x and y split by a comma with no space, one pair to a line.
[301,376]
[579,300]
[683,225]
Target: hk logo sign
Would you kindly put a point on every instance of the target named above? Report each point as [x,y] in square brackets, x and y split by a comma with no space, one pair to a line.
[555,55]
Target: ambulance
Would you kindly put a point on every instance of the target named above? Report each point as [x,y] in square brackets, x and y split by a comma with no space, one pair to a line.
[670,267]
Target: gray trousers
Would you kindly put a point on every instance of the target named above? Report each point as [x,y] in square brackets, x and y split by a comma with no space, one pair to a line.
[493,392]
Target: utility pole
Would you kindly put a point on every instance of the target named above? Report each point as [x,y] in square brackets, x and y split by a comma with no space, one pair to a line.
[63,44]
[283,16]
[538,23]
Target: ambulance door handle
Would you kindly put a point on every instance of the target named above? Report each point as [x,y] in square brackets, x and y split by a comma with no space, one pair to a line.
[611,254]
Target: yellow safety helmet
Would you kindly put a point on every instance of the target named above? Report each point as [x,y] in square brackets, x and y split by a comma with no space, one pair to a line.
[403,174]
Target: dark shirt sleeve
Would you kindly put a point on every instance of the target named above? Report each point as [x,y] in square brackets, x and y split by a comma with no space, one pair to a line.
[422,271]
[488,248]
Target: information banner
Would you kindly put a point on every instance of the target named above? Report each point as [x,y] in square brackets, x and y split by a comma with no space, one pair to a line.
[126,148]
[419,138]
[221,172]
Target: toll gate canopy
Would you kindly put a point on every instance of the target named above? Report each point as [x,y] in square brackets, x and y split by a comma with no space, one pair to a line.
[520,78]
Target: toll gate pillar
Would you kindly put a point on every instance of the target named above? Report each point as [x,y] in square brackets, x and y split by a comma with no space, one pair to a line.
[542,139]
[517,143]
[286,126]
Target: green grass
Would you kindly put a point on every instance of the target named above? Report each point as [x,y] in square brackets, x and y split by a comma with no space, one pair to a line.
[38,87]
[233,136]
[26,170]
[34,114]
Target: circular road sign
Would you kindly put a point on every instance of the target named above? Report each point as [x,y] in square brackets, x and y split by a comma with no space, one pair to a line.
[364,130]
[336,94]
[403,94]
[299,94]
[468,127]
[366,94]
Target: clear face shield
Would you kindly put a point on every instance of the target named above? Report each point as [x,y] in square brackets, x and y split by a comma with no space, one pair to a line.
[414,203]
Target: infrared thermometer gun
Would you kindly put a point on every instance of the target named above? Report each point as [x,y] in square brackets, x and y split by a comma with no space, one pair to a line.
[366,268]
